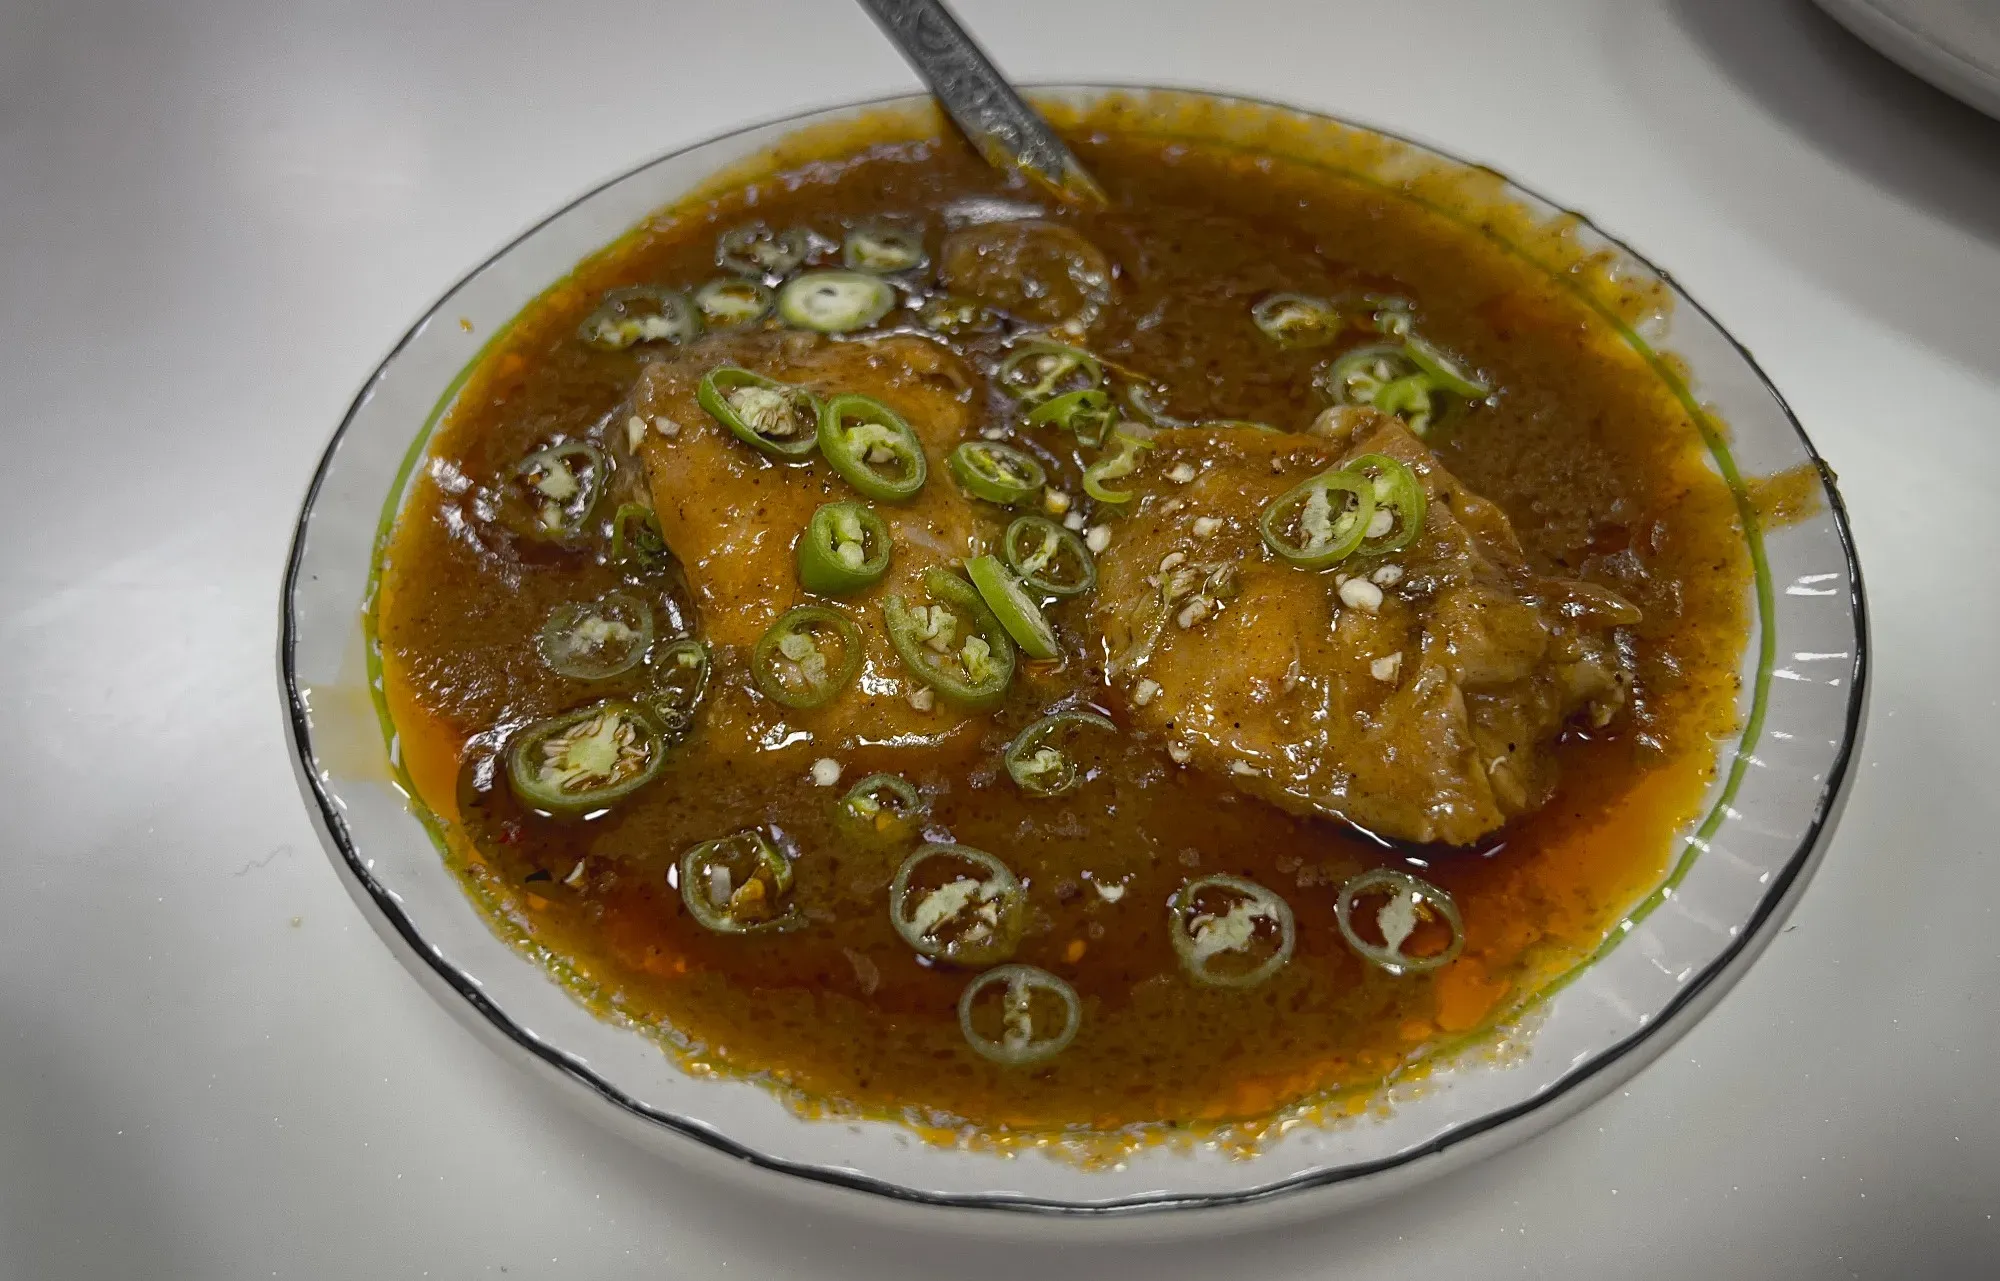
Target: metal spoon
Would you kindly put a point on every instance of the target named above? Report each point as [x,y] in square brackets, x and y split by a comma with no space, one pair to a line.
[1009,133]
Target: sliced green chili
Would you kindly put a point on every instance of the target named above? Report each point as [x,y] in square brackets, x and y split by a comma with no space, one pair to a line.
[1086,413]
[956,646]
[1018,1015]
[835,302]
[1410,398]
[845,547]
[585,760]
[952,316]
[1140,397]
[1040,760]
[790,662]
[998,473]
[872,448]
[1015,609]
[957,904]
[1049,559]
[1297,320]
[636,538]
[1356,377]
[757,251]
[733,300]
[1038,369]
[777,418]
[1404,379]
[1411,904]
[1116,467]
[1399,503]
[640,314]
[1321,521]
[883,249]
[881,806]
[561,486]
[1229,932]
[596,640]
[1443,372]
[1391,314]
[676,684]
[739,884]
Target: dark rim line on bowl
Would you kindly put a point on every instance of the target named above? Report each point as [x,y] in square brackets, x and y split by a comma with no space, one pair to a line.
[299,729]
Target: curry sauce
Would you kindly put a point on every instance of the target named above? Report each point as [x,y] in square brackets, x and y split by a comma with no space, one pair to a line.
[1591,464]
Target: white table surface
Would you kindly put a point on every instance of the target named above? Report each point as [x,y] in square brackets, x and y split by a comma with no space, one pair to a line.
[215,217]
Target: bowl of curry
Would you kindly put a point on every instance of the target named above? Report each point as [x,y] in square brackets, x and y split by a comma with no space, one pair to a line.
[1291,679]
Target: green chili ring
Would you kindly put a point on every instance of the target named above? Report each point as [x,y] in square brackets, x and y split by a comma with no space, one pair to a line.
[1411,398]
[1390,314]
[1296,320]
[1036,759]
[1396,490]
[1018,1045]
[733,300]
[883,249]
[844,548]
[1039,369]
[596,640]
[636,538]
[706,877]
[755,251]
[1015,609]
[1444,374]
[585,760]
[911,633]
[1086,414]
[640,314]
[1355,377]
[563,499]
[790,641]
[1195,954]
[676,683]
[777,418]
[1408,899]
[879,439]
[1116,467]
[1035,561]
[998,473]
[996,901]
[1330,537]
[881,805]
[1140,398]
[945,314]
[834,302]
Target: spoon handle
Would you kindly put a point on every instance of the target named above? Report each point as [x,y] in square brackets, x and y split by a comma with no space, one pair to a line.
[1007,131]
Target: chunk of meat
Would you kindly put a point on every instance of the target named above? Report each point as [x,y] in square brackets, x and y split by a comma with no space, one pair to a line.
[732,516]
[1038,271]
[1414,694]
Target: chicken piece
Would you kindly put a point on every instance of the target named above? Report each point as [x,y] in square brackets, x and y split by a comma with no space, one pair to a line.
[1414,693]
[732,516]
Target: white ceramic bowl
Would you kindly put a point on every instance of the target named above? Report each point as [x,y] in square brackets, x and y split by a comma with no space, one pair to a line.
[1778,792]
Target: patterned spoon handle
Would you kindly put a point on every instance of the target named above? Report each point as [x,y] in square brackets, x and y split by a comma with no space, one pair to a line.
[1007,131]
